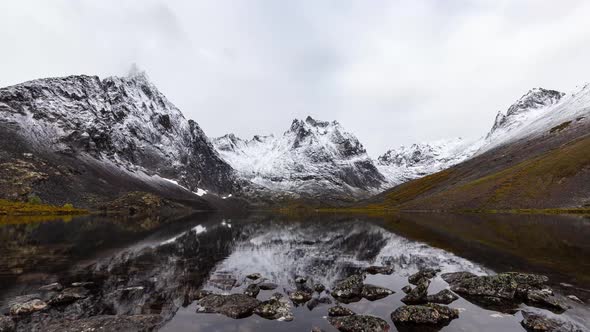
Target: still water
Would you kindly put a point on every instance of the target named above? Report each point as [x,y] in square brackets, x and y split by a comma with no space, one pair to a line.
[150,266]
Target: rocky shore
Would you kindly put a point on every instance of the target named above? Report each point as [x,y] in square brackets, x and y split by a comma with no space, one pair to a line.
[87,304]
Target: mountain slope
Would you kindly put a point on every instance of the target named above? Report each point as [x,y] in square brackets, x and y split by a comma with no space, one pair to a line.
[114,135]
[312,159]
[543,162]
[408,163]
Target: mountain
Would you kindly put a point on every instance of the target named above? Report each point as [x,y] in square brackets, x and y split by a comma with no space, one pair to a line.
[535,156]
[411,162]
[85,139]
[311,159]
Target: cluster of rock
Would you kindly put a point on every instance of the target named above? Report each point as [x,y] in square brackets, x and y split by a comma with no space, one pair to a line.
[505,290]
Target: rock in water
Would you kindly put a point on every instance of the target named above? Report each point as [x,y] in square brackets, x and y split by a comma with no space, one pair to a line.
[418,294]
[300,280]
[372,292]
[379,269]
[428,314]
[233,305]
[429,273]
[319,288]
[69,295]
[299,297]
[275,308]
[267,286]
[445,296]
[455,277]
[6,324]
[534,322]
[28,307]
[359,323]
[544,298]
[254,276]
[349,289]
[339,311]
[252,290]
[406,289]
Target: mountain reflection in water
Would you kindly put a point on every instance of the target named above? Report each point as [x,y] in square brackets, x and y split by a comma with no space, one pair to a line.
[152,268]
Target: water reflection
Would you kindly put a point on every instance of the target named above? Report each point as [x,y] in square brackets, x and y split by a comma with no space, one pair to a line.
[156,266]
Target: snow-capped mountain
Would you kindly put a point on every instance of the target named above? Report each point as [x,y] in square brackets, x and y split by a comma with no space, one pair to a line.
[411,162]
[119,122]
[536,113]
[311,158]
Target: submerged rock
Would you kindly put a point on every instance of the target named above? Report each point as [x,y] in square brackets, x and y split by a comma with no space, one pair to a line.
[379,269]
[69,295]
[254,276]
[275,308]
[428,273]
[339,311]
[299,297]
[575,299]
[406,289]
[544,298]
[300,280]
[349,288]
[7,324]
[319,288]
[418,294]
[133,323]
[267,286]
[27,307]
[428,314]
[252,290]
[372,292]
[233,305]
[359,323]
[534,322]
[455,277]
[445,296]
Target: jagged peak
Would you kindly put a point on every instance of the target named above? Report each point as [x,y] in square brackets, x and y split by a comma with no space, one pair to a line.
[535,98]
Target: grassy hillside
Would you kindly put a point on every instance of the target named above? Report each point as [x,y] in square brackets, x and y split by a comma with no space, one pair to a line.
[558,178]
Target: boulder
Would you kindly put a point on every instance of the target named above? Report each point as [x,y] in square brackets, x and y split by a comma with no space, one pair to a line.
[69,295]
[372,292]
[319,288]
[252,290]
[275,308]
[27,307]
[339,311]
[406,289]
[254,276]
[349,289]
[233,305]
[445,296]
[534,322]
[359,323]
[544,298]
[299,297]
[379,269]
[7,324]
[267,286]
[455,277]
[428,314]
[418,294]
[428,273]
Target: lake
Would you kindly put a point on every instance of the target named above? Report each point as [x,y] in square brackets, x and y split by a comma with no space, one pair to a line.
[155,266]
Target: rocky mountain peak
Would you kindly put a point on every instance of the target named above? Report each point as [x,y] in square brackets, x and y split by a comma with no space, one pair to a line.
[535,99]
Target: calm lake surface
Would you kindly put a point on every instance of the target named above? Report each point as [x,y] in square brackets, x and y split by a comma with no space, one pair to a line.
[157,262]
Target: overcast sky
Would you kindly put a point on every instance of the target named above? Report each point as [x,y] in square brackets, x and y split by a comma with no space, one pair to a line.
[392,72]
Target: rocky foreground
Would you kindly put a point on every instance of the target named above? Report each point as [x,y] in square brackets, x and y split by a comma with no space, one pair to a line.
[422,311]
